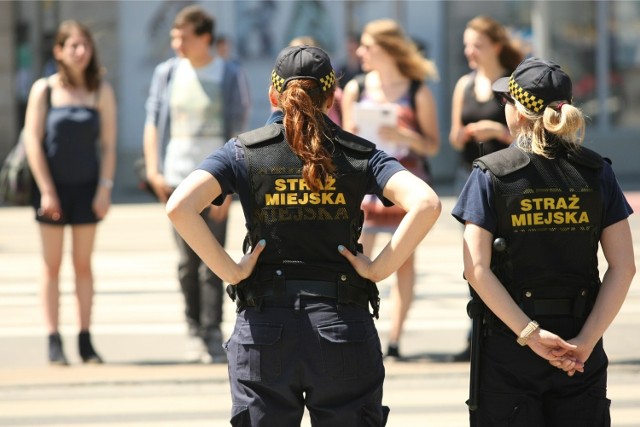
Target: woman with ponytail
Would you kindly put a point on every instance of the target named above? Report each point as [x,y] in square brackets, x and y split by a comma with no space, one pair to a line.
[306,295]
[535,215]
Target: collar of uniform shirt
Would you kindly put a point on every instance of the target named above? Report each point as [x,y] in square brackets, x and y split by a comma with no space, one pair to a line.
[276,117]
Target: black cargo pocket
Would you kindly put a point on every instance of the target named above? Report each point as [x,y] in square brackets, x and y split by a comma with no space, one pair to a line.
[240,416]
[594,410]
[507,410]
[349,349]
[374,416]
[258,355]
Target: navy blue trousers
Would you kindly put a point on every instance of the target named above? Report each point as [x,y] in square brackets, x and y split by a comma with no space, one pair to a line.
[306,351]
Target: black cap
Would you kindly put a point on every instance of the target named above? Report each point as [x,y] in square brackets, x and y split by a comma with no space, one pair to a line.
[303,62]
[536,83]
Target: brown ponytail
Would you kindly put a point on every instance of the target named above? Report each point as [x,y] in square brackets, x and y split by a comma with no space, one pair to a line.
[304,125]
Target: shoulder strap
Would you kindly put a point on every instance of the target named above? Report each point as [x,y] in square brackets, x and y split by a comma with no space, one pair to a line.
[48,95]
[360,80]
[353,142]
[503,162]
[267,133]
[414,87]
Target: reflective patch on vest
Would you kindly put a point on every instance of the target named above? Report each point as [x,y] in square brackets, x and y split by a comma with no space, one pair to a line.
[553,210]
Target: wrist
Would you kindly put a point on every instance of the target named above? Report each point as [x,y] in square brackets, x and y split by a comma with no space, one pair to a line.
[106,183]
[527,332]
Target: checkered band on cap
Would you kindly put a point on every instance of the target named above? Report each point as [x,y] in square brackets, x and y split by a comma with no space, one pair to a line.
[326,82]
[277,81]
[530,101]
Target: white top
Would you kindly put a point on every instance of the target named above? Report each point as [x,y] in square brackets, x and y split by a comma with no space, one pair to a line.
[196,118]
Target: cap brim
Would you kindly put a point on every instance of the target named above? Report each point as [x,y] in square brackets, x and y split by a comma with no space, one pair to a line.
[501,85]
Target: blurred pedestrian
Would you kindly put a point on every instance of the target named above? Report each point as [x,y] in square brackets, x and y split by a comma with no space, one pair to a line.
[304,335]
[395,72]
[197,101]
[478,123]
[223,47]
[335,111]
[476,117]
[70,136]
[351,66]
[535,215]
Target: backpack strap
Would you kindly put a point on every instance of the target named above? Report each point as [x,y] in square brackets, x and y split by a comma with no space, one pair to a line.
[414,87]
[48,94]
[360,80]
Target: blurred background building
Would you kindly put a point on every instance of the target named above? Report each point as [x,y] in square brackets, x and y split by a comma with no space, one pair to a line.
[596,42]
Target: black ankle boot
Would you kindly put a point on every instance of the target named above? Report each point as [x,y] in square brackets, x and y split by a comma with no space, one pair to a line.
[56,354]
[87,353]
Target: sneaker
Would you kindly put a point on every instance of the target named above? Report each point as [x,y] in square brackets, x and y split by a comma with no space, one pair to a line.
[56,354]
[196,349]
[87,352]
[215,350]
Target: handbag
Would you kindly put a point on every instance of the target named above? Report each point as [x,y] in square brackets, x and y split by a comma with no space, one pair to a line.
[16,181]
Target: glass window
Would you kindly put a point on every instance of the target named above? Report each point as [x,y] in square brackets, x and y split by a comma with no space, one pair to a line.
[624,37]
[571,41]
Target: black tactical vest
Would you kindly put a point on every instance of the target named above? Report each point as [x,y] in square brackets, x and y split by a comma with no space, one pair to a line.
[549,214]
[302,227]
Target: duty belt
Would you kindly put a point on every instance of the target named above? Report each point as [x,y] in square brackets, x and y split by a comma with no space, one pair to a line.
[558,301]
[346,289]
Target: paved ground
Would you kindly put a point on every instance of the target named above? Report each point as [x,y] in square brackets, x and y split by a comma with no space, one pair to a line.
[139,330]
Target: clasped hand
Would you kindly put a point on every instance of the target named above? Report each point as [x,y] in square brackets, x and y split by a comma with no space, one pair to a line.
[561,354]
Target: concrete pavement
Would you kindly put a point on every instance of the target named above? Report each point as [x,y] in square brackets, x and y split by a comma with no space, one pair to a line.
[139,329]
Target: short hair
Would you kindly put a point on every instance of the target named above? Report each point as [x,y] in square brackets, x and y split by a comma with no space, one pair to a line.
[202,21]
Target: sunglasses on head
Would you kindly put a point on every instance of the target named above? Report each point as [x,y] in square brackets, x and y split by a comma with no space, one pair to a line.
[505,98]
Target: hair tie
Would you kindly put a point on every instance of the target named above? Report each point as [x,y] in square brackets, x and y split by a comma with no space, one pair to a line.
[560,104]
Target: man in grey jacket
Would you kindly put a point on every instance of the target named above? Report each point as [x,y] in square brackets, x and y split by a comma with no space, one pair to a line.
[197,101]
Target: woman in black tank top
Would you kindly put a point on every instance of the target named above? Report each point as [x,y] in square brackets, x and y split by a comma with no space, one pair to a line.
[476,118]
[70,135]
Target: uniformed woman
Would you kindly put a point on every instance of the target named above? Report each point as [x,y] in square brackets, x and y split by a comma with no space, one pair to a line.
[304,335]
[534,215]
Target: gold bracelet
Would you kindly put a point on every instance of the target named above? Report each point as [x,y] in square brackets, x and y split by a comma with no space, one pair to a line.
[526,332]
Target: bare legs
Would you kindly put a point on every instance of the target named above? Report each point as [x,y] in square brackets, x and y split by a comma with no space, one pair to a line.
[52,239]
[83,237]
[401,294]
[401,299]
